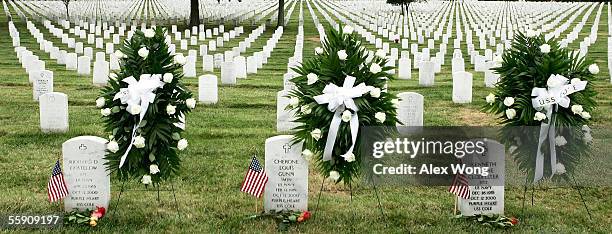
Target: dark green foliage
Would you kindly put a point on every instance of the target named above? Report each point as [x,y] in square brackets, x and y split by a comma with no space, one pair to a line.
[330,69]
[525,67]
[157,127]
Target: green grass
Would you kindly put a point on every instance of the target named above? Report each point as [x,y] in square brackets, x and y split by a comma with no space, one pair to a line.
[222,138]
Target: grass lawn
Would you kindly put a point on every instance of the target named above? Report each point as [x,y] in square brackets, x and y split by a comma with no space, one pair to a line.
[222,138]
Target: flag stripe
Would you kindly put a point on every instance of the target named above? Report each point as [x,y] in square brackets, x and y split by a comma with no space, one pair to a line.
[255,179]
[56,188]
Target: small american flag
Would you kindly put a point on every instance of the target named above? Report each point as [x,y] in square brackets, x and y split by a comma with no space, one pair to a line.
[255,179]
[460,186]
[56,189]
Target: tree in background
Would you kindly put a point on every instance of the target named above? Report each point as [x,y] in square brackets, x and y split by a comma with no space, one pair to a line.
[194,17]
[66,3]
[281,13]
[402,3]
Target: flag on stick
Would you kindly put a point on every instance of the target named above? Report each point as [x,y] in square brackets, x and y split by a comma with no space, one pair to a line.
[255,179]
[460,186]
[56,188]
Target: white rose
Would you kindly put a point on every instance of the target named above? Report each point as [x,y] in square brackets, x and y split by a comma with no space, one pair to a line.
[105,111]
[539,116]
[143,52]
[555,81]
[134,109]
[510,113]
[139,142]
[594,69]
[316,134]
[168,77]
[575,81]
[170,109]
[531,33]
[119,54]
[380,116]
[307,154]
[146,179]
[334,175]
[100,102]
[381,53]
[375,68]
[585,115]
[312,78]
[191,103]
[490,98]
[294,102]
[149,33]
[349,157]
[342,55]
[560,141]
[305,109]
[318,50]
[347,29]
[577,109]
[182,144]
[586,128]
[545,49]
[508,101]
[112,146]
[153,169]
[180,59]
[375,92]
[559,169]
[588,138]
[346,115]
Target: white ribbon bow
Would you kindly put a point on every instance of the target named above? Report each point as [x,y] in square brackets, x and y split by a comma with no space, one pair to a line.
[550,99]
[140,93]
[338,99]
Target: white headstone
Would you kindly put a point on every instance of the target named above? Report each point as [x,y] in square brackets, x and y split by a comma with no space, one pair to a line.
[404,69]
[208,89]
[84,65]
[287,171]
[228,75]
[101,72]
[462,87]
[85,174]
[284,117]
[53,112]
[410,109]
[43,83]
[426,73]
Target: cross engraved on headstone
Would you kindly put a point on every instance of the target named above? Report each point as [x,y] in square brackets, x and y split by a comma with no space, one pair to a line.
[287,147]
[82,147]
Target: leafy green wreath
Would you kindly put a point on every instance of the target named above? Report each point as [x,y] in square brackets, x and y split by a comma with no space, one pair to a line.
[146,144]
[534,62]
[341,62]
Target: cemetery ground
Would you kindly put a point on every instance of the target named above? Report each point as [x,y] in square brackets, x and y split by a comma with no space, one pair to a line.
[224,136]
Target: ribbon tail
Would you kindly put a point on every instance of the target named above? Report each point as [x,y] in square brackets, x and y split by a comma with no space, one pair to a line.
[332,134]
[354,123]
[551,141]
[127,151]
[539,166]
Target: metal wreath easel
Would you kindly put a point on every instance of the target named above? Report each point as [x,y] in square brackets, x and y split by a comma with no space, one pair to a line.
[371,179]
[155,189]
[574,186]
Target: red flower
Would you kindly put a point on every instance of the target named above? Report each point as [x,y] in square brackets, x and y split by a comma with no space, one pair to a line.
[306,215]
[98,212]
[514,221]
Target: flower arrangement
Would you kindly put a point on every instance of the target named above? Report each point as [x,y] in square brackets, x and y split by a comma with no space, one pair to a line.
[492,220]
[91,217]
[285,218]
[544,85]
[142,107]
[339,91]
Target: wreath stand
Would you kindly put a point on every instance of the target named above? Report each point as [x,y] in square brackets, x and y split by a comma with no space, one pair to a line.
[382,213]
[574,186]
[146,189]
